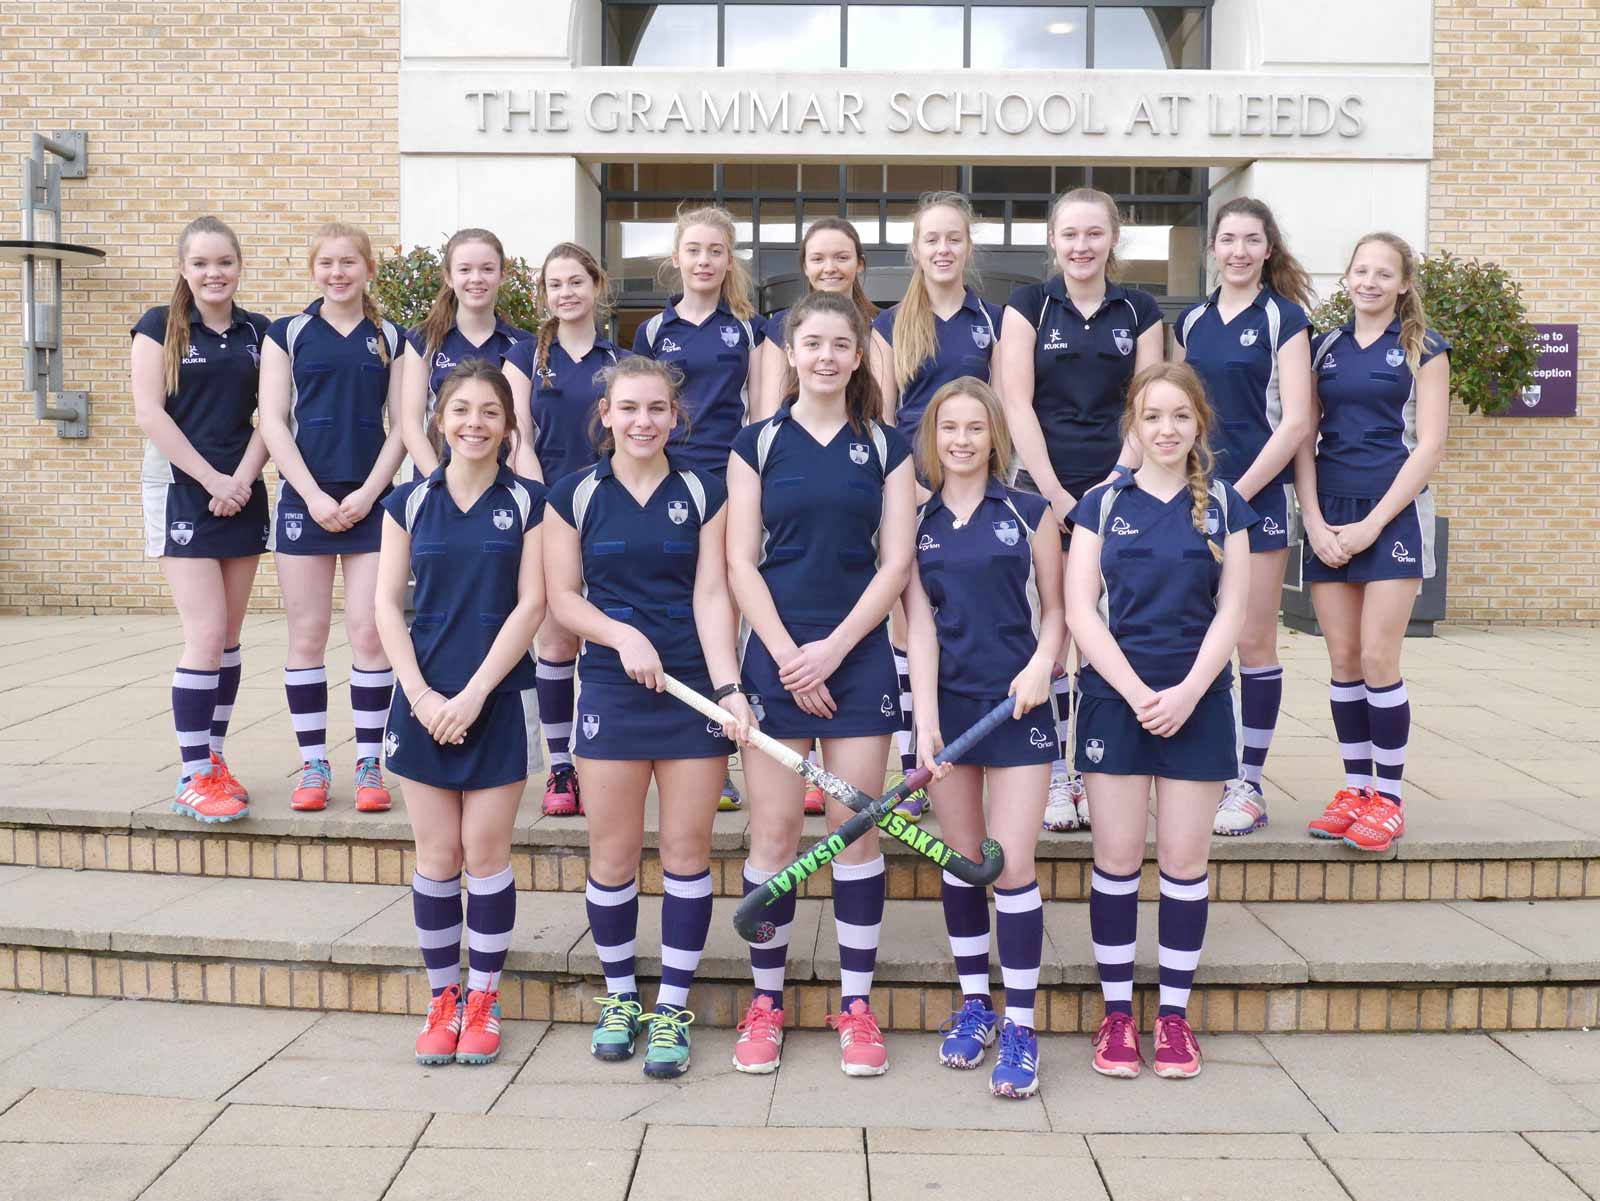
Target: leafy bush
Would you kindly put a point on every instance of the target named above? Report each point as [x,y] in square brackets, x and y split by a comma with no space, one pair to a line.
[1479,310]
[408,281]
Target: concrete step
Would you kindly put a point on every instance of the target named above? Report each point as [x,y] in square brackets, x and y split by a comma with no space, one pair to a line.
[296,944]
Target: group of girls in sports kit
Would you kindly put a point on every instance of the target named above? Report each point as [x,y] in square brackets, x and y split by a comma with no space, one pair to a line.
[995,484]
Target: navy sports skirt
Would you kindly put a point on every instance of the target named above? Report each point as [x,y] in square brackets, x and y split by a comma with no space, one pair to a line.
[294,532]
[865,688]
[629,721]
[494,753]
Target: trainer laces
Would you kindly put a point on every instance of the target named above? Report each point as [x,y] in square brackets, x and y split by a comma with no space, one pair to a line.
[316,774]
[969,1021]
[857,1024]
[669,1029]
[1014,1048]
[367,773]
[1118,1029]
[442,1010]
[1175,1032]
[480,1010]
[617,1014]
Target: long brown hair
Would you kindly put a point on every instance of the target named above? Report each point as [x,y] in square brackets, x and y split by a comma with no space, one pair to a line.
[1201,462]
[736,283]
[363,244]
[862,400]
[1281,272]
[915,338]
[1113,219]
[928,430]
[462,373]
[1413,318]
[549,327]
[442,315]
[635,367]
[839,225]
[175,342]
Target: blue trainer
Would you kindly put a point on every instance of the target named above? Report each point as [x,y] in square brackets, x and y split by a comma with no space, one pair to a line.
[967,1034]
[1016,1069]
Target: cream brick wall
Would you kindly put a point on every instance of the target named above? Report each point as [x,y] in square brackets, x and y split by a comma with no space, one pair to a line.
[274,117]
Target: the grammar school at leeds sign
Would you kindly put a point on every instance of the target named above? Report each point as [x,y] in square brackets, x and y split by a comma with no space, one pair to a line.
[1151,115]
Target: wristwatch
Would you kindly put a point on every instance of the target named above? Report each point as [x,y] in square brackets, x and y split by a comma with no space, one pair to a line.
[726,690]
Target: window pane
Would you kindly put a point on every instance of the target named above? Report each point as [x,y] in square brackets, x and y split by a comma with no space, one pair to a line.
[1029,37]
[1028,222]
[863,214]
[889,36]
[864,177]
[990,227]
[799,36]
[1113,179]
[915,179]
[1162,248]
[1150,39]
[673,179]
[777,221]
[1011,179]
[667,35]
[1068,178]
[1167,181]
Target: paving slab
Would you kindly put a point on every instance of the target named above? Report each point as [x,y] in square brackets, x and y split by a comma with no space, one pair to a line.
[1423,1083]
[54,907]
[1219,1180]
[1477,1148]
[1241,1091]
[446,1174]
[1491,824]
[81,1171]
[1240,948]
[279,920]
[76,794]
[563,1080]
[270,812]
[691,1164]
[305,1173]
[1578,1155]
[28,1018]
[1442,1167]
[1565,933]
[11,874]
[726,956]
[10,1096]
[157,1049]
[507,1132]
[902,1141]
[914,1177]
[1587,1095]
[1560,1056]
[548,925]
[367,1061]
[1399,941]
[50,1115]
[292,1126]
[1199,1146]
[917,1092]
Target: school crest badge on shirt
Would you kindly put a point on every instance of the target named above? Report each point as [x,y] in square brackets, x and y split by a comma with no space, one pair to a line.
[678,511]
[1395,357]
[858,453]
[292,529]
[591,725]
[1006,531]
[981,337]
[730,335]
[1096,750]
[1124,340]
[1213,520]
[182,532]
[372,346]
[502,519]
[391,744]
[1248,337]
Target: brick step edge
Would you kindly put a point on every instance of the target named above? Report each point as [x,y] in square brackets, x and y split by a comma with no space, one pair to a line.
[1066,1009]
[357,861]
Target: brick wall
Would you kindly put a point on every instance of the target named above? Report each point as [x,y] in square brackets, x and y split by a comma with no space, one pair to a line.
[1517,99]
[275,121]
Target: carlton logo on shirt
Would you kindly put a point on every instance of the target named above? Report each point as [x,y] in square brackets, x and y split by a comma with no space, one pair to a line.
[591,725]
[1119,526]
[1401,554]
[546,373]
[1037,737]
[1006,531]
[678,511]
[502,519]
[1096,750]
[668,346]
[1328,361]
[1395,357]
[926,542]
[858,453]
[443,362]
[714,729]
[1270,527]
[1248,337]
[1124,340]
[1055,341]
[887,708]
[182,532]
[730,335]
[981,337]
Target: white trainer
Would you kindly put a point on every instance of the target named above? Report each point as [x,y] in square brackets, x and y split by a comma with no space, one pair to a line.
[1242,810]
[1062,806]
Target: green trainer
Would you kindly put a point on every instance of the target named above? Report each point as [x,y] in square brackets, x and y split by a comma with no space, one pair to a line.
[617,1029]
[667,1054]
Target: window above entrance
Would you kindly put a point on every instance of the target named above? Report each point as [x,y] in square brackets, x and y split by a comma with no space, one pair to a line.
[798,35]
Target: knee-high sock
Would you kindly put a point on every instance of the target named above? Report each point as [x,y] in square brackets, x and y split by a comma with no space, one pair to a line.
[1114,929]
[1181,919]
[1389,716]
[227,694]
[858,894]
[194,700]
[613,911]
[436,910]
[371,689]
[1260,698]
[685,922]
[1063,690]
[307,690]
[1348,700]
[903,736]
[556,702]
[1019,929]
[769,960]
[966,921]
[491,913]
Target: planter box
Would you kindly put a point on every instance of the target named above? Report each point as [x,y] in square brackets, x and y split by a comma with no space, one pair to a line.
[1298,614]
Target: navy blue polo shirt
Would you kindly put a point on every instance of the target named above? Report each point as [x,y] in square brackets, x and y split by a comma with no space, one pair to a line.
[1238,361]
[1081,369]
[1369,409]
[714,357]
[821,507]
[217,379]
[965,344]
[563,402]
[639,562]
[1159,575]
[466,567]
[339,387]
[980,581]
[455,349]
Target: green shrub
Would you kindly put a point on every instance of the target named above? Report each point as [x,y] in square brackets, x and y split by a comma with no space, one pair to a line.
[1478,308]
[408,281]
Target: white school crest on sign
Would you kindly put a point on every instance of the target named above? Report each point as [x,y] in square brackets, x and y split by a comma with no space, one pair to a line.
[1395,357]
[678,511]
[591,725]
[1124,340]
[858,453]
[391,744]
[1248,338]
[182,532]
[981,337]
[1096,750]
[730,335]
[372,345]
[1006,531]
[502,519]
[1531,394]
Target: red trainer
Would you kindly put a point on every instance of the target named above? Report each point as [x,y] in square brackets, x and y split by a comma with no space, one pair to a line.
[204,798]
[1341,813]
[561,793]
[311,794]
[1380,823]
[441,1029]
[861,1049]
[1116,1046]
[371,795]
[236,790]
[760,1042]
[480,1029]
[1177,1051]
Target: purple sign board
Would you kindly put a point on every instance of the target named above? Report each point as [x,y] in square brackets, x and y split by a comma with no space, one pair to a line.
[1554,391]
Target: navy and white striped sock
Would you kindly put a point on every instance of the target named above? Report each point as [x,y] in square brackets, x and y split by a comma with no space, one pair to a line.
[1353,729]
[614,922]
[556,703]
[1063,691]
[769,960]
[371,689]
[1389,717]
[227,694]
[194,700]
[1181,929]
[1114,929]
[1019,929]
[685,923]
[491,913]
[903,736]
[966,921]
[436,910]
[858,895]
[307,690]
[1260,698]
